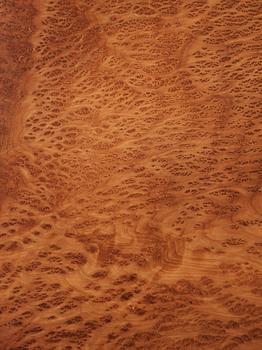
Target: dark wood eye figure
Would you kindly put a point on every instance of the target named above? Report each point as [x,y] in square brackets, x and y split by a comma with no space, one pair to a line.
[130,175]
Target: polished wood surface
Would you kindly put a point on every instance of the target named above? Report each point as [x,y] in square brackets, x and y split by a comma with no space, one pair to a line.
[130,175]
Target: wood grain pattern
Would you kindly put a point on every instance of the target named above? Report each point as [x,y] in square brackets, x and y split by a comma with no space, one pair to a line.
[130,175]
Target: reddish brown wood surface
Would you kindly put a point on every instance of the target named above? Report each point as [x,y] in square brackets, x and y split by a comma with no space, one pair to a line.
[130,175]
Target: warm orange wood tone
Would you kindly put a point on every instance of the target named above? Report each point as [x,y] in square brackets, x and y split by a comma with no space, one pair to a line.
[130,175]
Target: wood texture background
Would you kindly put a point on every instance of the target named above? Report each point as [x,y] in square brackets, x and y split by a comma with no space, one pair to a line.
[130,175]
